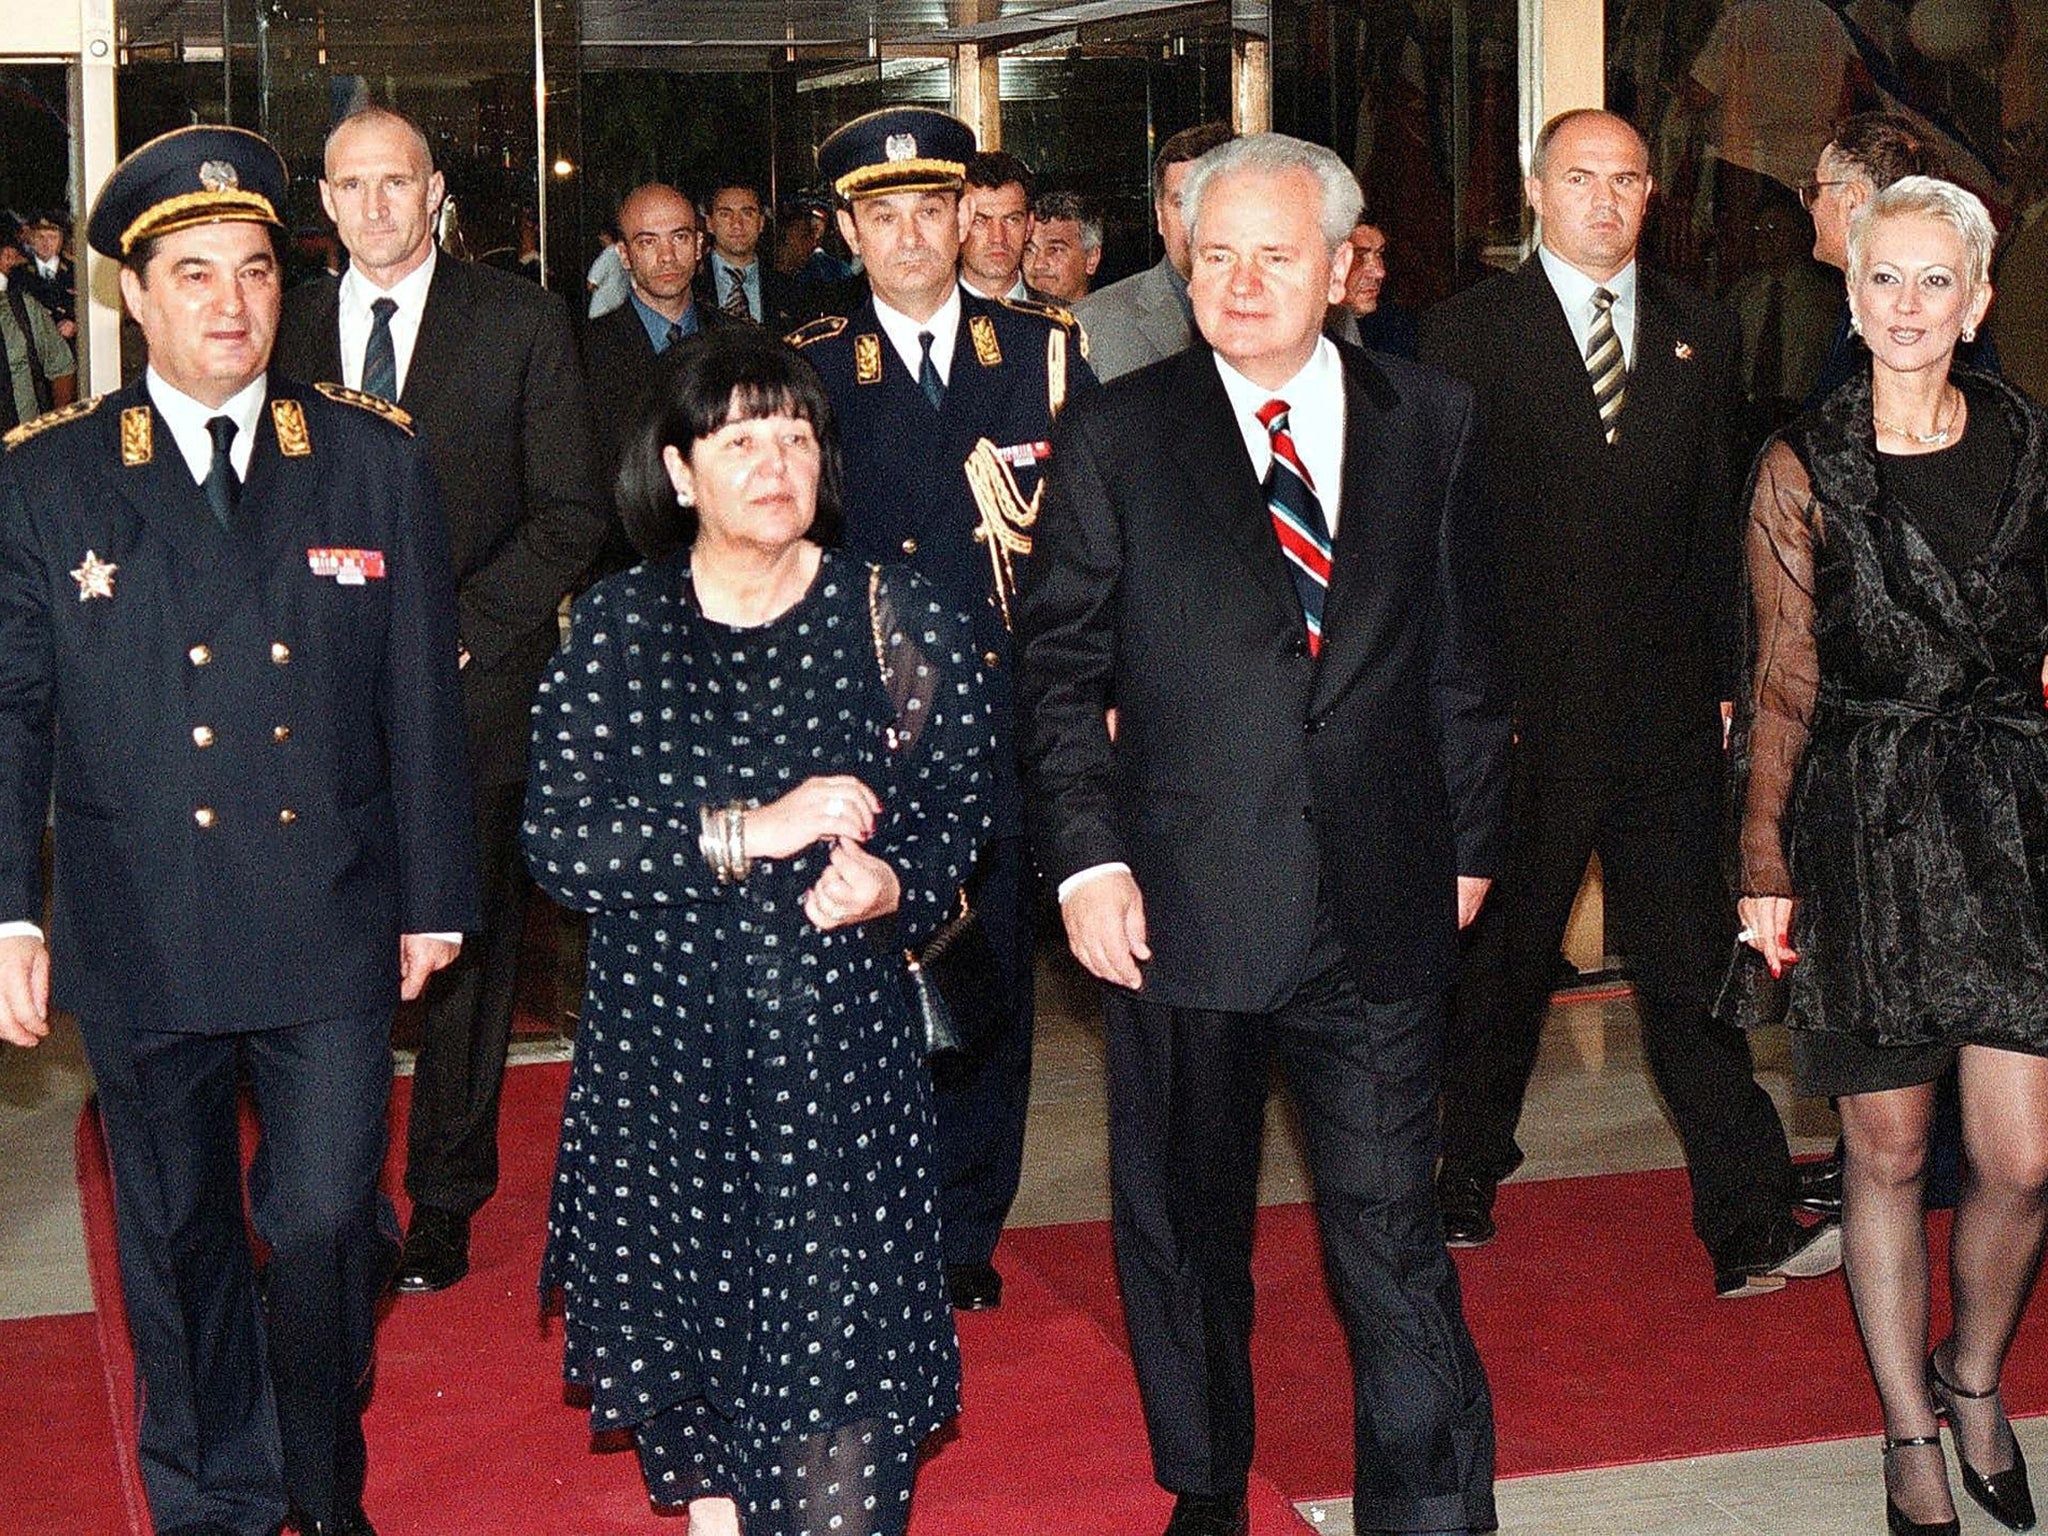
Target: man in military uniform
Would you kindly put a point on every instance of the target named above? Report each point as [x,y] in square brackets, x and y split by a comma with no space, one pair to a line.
[227,644]
[945,403]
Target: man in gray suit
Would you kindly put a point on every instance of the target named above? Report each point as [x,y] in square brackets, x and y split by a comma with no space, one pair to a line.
[1146,317]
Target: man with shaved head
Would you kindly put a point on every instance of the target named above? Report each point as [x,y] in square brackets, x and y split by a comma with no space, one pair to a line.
[1606,393]
[485,366]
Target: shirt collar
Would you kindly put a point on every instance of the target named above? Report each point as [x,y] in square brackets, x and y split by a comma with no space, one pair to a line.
[409,293]
[903,331]
[187,418]
[723,265]
[1575,290]
[1321,377]
[657,324]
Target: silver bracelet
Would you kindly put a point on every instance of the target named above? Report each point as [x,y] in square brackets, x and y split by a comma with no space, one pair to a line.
[736,840]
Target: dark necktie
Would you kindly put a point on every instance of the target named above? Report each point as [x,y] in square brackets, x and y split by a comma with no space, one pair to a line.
[928,378]
[736,296]
[380,357]
[1606,365]
[223,486]
[1298,520]
[675,334]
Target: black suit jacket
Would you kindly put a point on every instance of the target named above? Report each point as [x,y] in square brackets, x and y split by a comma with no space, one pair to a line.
[59,294]
[255,754]
[1618,561]
[496,393]
[784,305]
[622,368]
[1247,780]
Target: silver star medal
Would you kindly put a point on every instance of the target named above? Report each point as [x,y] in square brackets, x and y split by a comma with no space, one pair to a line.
[95,577]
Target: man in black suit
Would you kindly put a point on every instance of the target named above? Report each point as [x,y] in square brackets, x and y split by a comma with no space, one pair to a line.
[48,276]
[945,404]
[228,644]
[660,242]
[1606,399]
[1266,768]
[486,366]
[734,280]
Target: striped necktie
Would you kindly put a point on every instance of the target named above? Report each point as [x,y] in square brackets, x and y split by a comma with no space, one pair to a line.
[736,303]
[1606,366]
[1298,520]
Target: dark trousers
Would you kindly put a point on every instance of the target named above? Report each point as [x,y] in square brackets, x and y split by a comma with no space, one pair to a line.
[1187,1094]
[1656,833]
[980,1092]
[242,1403]
[451,1138]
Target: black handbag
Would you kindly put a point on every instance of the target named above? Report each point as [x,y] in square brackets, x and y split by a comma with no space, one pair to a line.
[928,998]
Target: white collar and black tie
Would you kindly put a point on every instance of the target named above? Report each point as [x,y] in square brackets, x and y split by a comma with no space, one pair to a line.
[357,320]
[216,442]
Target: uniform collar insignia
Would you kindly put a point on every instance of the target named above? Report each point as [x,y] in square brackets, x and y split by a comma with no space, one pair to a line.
[982,331]
[867,359]
[138,437]
[288,417]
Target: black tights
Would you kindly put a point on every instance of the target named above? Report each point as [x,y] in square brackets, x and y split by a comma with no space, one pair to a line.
[1993,1253]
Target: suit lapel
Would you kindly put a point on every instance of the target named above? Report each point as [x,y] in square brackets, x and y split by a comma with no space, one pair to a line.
[1553,353]
[1356,557]
[1224,492]
[443,335]
[326,330]
[1657,381]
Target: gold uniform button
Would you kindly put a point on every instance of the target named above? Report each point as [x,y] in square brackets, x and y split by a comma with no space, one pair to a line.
[202,735]
[199,655]
[287,816]
[910,546]
[990,658]
[280,733]
[204,816]
[280,652]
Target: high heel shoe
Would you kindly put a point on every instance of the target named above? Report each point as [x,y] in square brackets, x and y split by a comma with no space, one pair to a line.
[1896,1520]
[2004,1495]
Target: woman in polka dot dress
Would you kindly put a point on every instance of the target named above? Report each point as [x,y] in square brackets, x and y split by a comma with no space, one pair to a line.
[763,768]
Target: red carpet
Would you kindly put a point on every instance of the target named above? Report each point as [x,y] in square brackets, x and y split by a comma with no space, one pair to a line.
[1596,1317]
[59,1468]
[468,1431]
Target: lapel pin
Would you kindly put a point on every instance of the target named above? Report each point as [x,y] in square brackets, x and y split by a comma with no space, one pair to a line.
[1683,351]
[95,577]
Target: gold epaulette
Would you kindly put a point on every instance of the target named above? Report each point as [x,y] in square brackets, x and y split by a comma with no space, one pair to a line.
[76,411]
[824,328]
[376,405]
[1059,314]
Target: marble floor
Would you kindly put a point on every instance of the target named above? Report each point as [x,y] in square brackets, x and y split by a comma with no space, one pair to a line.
[1590,1110]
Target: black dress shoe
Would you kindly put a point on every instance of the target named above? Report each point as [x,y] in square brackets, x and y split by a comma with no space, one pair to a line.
[354,1523]
[1791,1252]
[1466,1202]
[1209,1514]
[2003,1495]
[1817,1186]
[436,1252]
[973,1287]
[1896,1520]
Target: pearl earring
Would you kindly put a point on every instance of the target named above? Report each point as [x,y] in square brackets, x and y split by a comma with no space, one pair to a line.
[685,499]
[1969,333]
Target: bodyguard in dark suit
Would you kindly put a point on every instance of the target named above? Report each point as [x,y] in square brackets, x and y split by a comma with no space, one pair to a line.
[945,405]
[734,279]
[1267,772]
[1606,469]
[227,644]
[486,366]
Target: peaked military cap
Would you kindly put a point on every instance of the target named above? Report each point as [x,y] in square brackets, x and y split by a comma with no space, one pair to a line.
[898,149]
[199,175]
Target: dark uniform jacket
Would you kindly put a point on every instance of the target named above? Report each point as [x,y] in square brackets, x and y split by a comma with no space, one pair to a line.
[254,735]
[497,397]
[59,294]
[954,493]
[1618,561]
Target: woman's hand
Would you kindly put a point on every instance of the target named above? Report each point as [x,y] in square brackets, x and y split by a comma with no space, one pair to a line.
[832,805]
[856,887]
[1767,929]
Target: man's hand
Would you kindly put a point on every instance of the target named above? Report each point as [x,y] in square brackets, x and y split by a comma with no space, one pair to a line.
[1472,891]
[419,956]
[24,990]
[1105,920]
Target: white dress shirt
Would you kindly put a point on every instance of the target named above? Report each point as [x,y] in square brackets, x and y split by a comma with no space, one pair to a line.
[1315,420]
[409,293]
[1574,291]
[903,331]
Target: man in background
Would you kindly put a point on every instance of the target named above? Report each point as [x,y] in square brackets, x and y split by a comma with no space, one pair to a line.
[40,372]
[733,279]
[1146,316]
[1367,316]
[1064,248]
[998,198]
[485,365]
[49,275]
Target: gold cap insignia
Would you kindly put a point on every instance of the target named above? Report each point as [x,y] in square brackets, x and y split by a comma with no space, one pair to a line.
[138,437]
[95,577]
[288,417]
[219,176]
[900,146]
[982,331]
[867,359]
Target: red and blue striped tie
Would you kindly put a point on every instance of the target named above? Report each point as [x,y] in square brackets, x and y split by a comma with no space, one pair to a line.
[1298,519]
